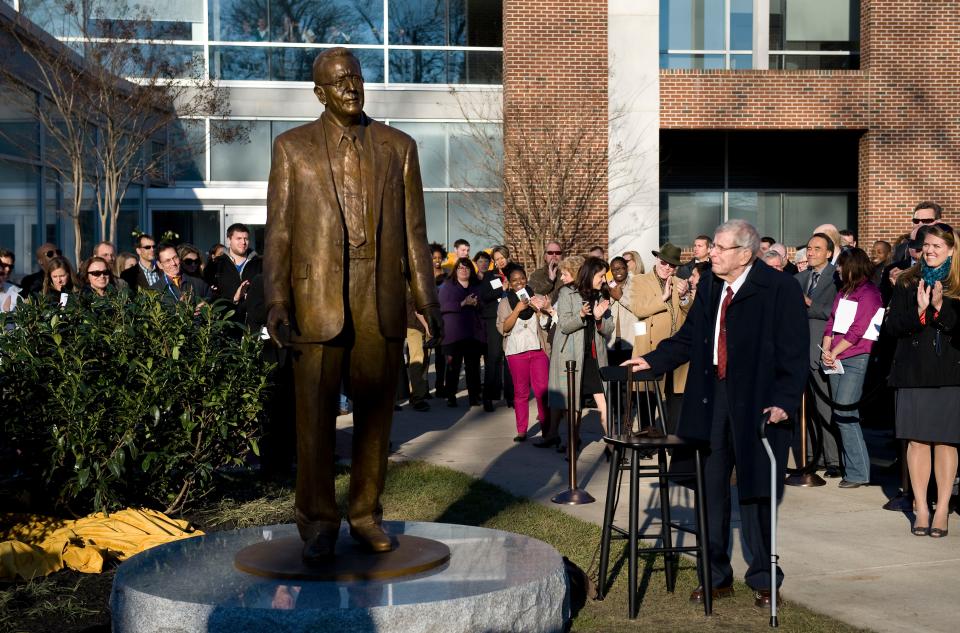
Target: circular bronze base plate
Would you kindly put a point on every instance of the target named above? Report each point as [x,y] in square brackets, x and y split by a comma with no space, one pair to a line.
[281,558]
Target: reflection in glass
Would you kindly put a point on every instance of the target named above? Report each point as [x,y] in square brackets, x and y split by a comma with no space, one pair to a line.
[476,217]
[190,160]
[18,130]
[685,215]
[741,25]
[692,25]
[199,227]
[435,207]
[431,141]
[242,162]
[693,62]
[453,67]
[304,21]
[253,63]
[446,22]
[476,155]
[801,211]
[762,210]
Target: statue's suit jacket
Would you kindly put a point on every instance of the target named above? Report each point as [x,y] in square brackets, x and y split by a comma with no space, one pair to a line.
[305,236]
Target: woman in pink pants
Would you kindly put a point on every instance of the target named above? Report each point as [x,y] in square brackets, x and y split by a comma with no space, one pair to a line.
[521,317]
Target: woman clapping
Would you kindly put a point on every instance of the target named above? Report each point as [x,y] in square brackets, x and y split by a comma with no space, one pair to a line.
[924,315]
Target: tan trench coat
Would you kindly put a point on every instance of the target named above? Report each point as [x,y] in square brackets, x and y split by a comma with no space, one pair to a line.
[661,319]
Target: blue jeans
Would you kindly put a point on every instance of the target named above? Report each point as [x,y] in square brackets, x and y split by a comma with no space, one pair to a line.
[847,388]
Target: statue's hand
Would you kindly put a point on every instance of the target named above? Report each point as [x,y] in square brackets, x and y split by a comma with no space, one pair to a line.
[434,326]
[277,316]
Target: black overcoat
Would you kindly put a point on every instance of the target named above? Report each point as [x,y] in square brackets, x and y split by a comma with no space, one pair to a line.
[767,346]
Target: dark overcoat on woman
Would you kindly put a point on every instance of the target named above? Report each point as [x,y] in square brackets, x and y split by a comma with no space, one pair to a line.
[767,351]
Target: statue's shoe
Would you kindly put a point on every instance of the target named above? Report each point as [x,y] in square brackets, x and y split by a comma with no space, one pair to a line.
[319,548]
[371,536]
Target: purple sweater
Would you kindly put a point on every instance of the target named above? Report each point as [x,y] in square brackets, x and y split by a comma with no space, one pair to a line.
[868,301]
[460,322]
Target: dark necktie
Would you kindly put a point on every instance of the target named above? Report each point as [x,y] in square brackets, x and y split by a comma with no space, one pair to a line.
[722,337]
[814,278]
[353,212]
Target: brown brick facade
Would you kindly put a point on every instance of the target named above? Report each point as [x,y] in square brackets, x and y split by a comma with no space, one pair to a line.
[905,98]
[555,83]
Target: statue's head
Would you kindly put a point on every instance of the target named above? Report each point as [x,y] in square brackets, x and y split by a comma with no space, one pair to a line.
[339,83]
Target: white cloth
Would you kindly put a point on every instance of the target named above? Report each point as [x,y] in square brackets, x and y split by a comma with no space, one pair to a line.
[9,296]
[522,338]
[736,285]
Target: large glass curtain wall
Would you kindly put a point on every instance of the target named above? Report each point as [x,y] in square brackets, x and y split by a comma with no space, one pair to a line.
[397,41]
[459,164]
[723,34]
[781,182]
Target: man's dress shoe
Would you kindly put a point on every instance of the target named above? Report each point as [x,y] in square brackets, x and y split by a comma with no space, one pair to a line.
[761,598]
[371,536]
[319,548]
[696,596]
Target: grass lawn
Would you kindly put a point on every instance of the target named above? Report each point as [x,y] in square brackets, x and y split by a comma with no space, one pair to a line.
[70,602]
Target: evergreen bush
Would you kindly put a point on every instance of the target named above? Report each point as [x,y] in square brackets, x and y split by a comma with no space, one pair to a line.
[122,400]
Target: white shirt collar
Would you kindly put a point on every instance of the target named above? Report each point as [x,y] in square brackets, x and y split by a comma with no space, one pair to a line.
[738,282]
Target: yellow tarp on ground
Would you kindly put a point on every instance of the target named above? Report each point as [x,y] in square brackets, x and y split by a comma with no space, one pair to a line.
[37,546]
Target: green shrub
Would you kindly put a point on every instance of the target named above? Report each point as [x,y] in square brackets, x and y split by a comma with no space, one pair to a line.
[122,400]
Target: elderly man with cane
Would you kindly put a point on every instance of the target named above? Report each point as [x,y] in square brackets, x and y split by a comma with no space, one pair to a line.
[746,340]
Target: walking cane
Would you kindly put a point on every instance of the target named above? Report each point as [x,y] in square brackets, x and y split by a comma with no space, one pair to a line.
[573,496]
[764,419]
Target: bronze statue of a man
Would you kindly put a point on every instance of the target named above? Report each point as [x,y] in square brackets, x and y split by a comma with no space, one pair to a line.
[345,236]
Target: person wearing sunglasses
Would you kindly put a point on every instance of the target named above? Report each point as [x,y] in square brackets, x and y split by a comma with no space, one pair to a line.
[146,273]
[33,283]
[9,292]
[926,212]
[191,263]
[546,280]
[96,276]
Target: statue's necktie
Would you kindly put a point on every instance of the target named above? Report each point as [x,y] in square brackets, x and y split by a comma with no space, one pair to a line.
[722,338]
[353,211]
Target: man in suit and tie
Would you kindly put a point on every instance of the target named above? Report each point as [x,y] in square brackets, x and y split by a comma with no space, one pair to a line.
[173,285]
[345,237]
[745,338]
[819,290]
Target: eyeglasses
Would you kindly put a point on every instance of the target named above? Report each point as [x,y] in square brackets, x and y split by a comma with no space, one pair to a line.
[56,252]
[724,249]
[148,247]
[6,266]
[190,261]
[98,273]
[554,252]
[924,220]
[345,82]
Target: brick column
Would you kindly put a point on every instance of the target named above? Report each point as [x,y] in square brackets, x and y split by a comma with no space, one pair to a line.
[555,83]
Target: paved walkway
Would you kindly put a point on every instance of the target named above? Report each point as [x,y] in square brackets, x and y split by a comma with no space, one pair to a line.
[842,554]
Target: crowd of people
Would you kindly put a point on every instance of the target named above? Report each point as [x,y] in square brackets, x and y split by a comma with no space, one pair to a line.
[512,332]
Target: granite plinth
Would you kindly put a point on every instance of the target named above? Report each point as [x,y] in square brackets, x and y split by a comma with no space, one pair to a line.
[494,581]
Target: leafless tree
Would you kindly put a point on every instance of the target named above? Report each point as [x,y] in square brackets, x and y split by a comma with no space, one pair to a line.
[107,133]
[553,175]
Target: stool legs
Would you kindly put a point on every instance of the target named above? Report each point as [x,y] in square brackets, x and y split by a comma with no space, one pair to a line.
[608,519]
[632,538]
[666,531]
[703,538]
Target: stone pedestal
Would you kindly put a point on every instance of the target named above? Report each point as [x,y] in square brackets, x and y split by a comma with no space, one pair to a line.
[494,581]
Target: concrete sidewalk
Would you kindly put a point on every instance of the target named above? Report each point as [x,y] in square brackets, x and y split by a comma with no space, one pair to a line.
[842,554]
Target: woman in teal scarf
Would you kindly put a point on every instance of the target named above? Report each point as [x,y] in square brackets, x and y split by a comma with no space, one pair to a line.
[925,317]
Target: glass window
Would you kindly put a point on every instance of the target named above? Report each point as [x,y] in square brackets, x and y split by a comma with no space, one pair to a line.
[242,162]
[435,207]
[691,61]
[446,22]
[812,29]
[475,217]
[476,155]
[445,67]
[692,24]
[431,141]
[279,127]
[762,210]
[190,158]
[803,211]
[18,189]
[194,226]
[304,21]
[18,129]
[685,215]
[253,63]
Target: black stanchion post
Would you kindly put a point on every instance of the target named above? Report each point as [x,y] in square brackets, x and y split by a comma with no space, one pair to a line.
[573,496]
[903,501]
[805,476]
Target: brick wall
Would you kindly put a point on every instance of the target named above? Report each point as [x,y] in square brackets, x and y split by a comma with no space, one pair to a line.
[555,96]
[905,97]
